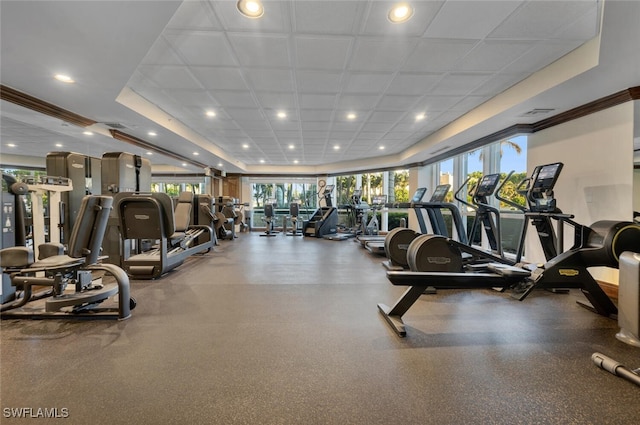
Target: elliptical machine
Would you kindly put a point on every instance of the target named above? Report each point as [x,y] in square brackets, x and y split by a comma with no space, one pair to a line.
[294,212]
[600,244]
[269,218]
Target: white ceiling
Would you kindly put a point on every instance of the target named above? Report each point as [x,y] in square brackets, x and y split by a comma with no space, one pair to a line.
[160,65]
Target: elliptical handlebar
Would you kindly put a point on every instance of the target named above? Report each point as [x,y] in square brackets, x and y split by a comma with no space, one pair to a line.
[459,199]
[509,201]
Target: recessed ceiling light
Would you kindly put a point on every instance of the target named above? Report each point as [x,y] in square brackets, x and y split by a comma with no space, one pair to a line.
[87,133]
[184,164]
[149,153]
[420,117]
[336,147]
[210,113]
[219,164]
[152,133]
[64,78]
[58,145]
[400,12]
[251,8]
[11,145]
[292,147]
[282,115]
[245,146]
[351,116]
[262,161]
[196,153]
[381,148]
[295,161]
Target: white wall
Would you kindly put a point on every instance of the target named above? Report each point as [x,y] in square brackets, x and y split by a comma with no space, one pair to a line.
[596,181]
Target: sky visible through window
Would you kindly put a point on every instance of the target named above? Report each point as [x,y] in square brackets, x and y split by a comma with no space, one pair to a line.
[511,160]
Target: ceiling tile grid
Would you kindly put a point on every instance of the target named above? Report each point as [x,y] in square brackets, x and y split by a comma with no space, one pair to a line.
[317,61]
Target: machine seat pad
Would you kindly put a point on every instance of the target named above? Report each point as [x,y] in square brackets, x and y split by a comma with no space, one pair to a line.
[57,261]
[18,256]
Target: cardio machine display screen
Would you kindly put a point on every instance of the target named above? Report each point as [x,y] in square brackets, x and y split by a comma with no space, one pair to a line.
[417,197]
[488,184]
[547,176]
[440,193]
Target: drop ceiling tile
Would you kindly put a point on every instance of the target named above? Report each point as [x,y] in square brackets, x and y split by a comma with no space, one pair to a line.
[543,19]
[351,127]
[377,22]
[399,134]
[260,50]
[355,103]
[287,134]
[244,115]
[280,101]
[435,103]
[413,84]
[193,15]
[493,55]
[432,55]
[366,82]
[327,17]
[161,54]
[397,103]
[541,55]
[170,77]
[499,83]
[385,117]
[470,19]
[470,102]
[584,28]
[380,54]
[460,84]
[225,78]
[377,126]
[197,98]
[277,80]
[275,19]
[317,101]
[370,135]
[281,125]
[318,81]
[315,125]
[318,53]
[320,115]
[234,99]
[199,48]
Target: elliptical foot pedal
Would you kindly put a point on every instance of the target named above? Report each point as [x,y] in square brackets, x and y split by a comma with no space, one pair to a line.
[430,290]
[521,290]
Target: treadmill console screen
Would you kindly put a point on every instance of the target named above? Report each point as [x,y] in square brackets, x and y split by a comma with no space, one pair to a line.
[487,185]
[440,193]
[417,197]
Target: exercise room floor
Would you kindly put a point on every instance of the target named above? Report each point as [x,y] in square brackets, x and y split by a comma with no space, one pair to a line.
[285,330]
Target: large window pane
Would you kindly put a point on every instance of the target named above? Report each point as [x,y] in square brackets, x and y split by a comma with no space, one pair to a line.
[513,157]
